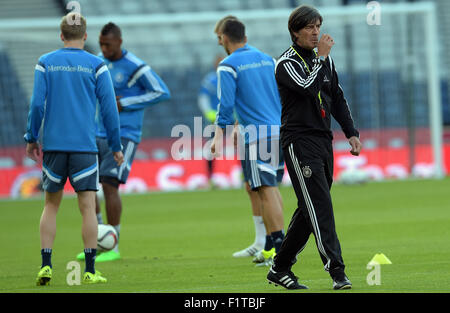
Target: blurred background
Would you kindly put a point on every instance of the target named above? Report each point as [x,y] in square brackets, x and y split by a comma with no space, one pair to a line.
[392,57]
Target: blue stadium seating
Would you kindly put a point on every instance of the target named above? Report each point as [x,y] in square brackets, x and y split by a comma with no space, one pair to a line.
[13,104]
[381,101]
[377,99]
[391,103]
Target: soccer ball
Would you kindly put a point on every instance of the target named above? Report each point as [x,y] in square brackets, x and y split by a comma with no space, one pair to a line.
[107,237]
[353,177]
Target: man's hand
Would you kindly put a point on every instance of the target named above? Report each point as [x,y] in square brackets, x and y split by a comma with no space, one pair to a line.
[325,44]
[356,145]
[118,157]
[33,151]
[119,106]
[235,134]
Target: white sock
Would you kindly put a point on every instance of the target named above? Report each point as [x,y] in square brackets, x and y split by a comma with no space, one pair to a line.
[260,231]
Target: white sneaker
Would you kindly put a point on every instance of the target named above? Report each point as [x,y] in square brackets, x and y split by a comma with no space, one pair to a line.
[250,251]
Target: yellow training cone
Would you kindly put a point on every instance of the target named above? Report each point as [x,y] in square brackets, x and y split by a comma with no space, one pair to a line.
[380,258]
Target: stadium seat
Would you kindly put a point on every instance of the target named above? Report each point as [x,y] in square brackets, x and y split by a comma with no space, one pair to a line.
[182,67]
[12,104]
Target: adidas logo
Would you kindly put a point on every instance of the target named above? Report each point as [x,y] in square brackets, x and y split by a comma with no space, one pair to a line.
[286,280]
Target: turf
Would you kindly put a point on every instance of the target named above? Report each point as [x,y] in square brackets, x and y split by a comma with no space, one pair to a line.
[183,242]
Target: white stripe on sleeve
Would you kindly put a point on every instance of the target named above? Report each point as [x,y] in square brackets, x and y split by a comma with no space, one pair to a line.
[305,83]
[40,68]
[140,99]
[138,74]
[227,69]
[101,70]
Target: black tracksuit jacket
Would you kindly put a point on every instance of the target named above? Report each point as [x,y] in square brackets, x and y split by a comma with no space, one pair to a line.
[304,111]
[310,96]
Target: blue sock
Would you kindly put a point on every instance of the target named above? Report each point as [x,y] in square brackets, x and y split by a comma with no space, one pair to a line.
[277,238]
[269,243]
[89,257]
[46,257]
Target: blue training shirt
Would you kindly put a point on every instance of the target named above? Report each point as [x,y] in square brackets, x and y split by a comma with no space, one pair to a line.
[246,84]
[67,84]
[139,87]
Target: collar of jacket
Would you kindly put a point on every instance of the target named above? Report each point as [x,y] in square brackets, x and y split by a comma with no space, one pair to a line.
[302,51]
[244,47]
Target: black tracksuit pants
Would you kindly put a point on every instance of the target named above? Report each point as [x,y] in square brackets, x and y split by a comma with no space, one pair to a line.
[310,165]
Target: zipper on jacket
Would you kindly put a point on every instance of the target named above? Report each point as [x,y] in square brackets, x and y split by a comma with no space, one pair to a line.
[322,109]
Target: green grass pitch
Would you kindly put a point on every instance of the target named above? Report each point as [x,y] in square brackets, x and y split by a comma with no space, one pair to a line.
[183,242]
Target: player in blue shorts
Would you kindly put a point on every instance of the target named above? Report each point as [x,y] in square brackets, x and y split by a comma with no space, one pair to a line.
[263,241]
[247,86]
[137,87]
[67,84]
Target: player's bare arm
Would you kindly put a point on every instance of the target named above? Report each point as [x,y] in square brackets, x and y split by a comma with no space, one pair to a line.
[235,133]
[216,145]
[119,105]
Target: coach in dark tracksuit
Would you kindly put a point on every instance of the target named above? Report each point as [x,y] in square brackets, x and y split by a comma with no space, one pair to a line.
[310,94]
